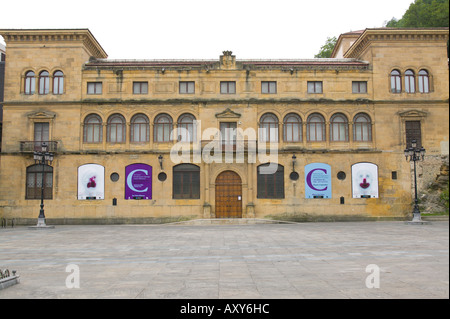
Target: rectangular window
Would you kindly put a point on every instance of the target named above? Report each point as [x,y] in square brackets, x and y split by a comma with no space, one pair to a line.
[315,87]
[228,134]
[187,87]
[34,182]
[268,87]
[227,87]
[140,87]
[186,182]
[270,184]
[41,134]
[413,132]
[94,88]
[359,87]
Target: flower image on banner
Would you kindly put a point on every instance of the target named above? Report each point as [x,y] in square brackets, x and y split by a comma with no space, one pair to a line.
[91,181]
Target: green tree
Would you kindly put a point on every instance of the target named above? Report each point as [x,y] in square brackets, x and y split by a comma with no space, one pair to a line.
[327,48]
[423,14]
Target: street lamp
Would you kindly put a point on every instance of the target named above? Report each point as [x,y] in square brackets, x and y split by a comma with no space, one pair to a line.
[43,158]
[415,154]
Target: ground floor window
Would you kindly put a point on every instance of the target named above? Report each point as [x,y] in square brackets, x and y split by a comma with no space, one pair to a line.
[186,181]
[270,184]
[34,182]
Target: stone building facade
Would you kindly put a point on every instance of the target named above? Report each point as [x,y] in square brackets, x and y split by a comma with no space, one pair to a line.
[150,141]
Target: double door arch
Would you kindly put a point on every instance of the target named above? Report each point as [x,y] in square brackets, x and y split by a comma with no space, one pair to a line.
[228,198]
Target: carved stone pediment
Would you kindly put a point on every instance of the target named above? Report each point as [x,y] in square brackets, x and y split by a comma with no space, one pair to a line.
[413,113]
[228,114]
[41,115]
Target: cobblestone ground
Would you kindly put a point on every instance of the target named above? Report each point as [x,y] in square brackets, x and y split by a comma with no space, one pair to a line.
[306,260]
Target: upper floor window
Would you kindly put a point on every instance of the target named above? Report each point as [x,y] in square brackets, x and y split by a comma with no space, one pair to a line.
[396,82]
[410,81]
[339,128]
[30,82]
[116,129]
[94,88]
[362,128]
[292,128]
[92,132]
[227,87]
[268,128]
[140,87]
[359,87]
[140,128]
[315,128]
[424,82]
[58,83]
[315,87]
[44,82]
[186,128]
[269,87]
[163,128]
[187,87]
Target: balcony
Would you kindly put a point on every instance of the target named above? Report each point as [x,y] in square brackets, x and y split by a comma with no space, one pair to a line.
[36,146]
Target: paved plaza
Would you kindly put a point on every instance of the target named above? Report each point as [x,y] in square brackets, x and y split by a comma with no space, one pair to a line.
[274,261]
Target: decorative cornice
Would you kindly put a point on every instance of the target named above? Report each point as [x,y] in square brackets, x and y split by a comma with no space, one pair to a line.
[55,35]
[398,35]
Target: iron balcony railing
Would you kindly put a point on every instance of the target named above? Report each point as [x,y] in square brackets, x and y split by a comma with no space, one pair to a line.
[36,146]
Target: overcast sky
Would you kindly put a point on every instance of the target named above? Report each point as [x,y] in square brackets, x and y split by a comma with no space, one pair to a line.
[202,29]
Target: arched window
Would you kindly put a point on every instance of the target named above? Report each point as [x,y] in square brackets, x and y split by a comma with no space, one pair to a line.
[396,82]
[268,128]
[34,181]
[315,128]
[424,81]
[362,128]
[44,82]
[58,82]
[186,181]
[92,129]
[140,128]
[163,128]
[30,83]
[292,128]
[410,81]
[186,128]
[116,129]
[339,128]
[270,181]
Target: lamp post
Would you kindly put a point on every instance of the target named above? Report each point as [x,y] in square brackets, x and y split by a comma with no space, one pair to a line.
[415,154]
[43,158]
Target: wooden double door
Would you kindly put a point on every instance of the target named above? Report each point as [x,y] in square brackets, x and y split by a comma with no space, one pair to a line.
[228,195]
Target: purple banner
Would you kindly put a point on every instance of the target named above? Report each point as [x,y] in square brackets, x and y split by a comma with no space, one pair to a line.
[138,181]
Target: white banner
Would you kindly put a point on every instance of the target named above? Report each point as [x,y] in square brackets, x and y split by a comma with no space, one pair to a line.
[91,182]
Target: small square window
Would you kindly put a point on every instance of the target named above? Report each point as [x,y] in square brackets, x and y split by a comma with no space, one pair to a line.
[359,87]
[187,87]
[140,87]
[269,87]
[227,87]
[394,175]
[315,87]
[94,88]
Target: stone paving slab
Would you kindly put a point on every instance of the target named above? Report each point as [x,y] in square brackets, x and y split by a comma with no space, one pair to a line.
[270,261]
